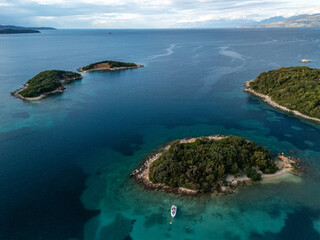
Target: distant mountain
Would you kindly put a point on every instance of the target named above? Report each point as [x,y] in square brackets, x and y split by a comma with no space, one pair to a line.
[271,20]
[292,22]
[218,23]
[2,27]
[228,23]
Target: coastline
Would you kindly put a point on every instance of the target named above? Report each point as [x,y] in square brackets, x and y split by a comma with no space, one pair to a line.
[267,99]
[285,165]
[58,90]
[109,69]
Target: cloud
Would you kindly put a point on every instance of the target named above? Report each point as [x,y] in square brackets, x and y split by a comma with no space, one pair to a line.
[4,3]
[146,13]
[72,3]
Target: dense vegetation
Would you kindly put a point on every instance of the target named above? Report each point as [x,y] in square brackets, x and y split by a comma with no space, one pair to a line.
[14,31]
[47,81]
[204,164]
[112,64]
[297,88]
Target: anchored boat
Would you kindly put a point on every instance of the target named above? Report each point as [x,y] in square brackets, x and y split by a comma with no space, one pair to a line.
[305,60]
[173,210]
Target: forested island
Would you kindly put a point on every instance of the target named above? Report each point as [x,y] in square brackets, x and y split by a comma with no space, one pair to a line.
[46,83]
[16,31]
[294,89]
[109,66]
[11,29]
[208,164]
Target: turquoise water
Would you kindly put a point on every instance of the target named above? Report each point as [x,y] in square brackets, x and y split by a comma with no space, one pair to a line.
[65,161]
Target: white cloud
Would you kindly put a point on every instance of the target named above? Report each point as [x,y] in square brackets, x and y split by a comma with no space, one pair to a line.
[79,2]
[245,3]
[4,3]
[45,18]
[153,3]
[195,19]
[148,13]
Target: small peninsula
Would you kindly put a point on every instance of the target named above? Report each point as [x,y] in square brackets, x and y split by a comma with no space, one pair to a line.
[46,83]
[210,164]
[109,66]
[295,90]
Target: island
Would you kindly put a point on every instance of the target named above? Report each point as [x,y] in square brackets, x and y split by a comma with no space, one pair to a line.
[109,66]
[210,164]
[46,83]
[16,31]
[294,89]
[11,29]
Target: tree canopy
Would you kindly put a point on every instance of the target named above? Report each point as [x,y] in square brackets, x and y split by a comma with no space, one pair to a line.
[47,81]
[297,88]
[204,164]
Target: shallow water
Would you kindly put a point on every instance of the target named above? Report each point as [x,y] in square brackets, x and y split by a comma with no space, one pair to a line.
[65,161]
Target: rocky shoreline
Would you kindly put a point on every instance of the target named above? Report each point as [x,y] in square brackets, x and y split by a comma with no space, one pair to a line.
[60,89]
[285,165]
[109,69]
[267,99]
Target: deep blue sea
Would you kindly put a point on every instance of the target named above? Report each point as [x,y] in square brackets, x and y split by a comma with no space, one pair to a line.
[65,160]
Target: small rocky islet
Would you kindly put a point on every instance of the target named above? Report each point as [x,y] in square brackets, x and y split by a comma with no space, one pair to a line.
[211,164]
[109,66]
[51,82]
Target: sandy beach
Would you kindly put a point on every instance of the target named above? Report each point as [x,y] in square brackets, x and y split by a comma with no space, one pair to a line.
[267,99]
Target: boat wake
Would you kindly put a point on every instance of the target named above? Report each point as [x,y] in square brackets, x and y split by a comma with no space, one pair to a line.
[168,50]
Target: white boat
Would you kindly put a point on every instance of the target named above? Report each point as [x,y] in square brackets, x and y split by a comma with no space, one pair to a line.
[305,60]
[173,210]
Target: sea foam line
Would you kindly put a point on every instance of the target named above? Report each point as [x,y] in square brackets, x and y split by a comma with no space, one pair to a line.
[232,54]
[168,50]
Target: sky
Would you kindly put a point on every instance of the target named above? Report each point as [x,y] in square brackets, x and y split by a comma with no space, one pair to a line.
[110,14]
